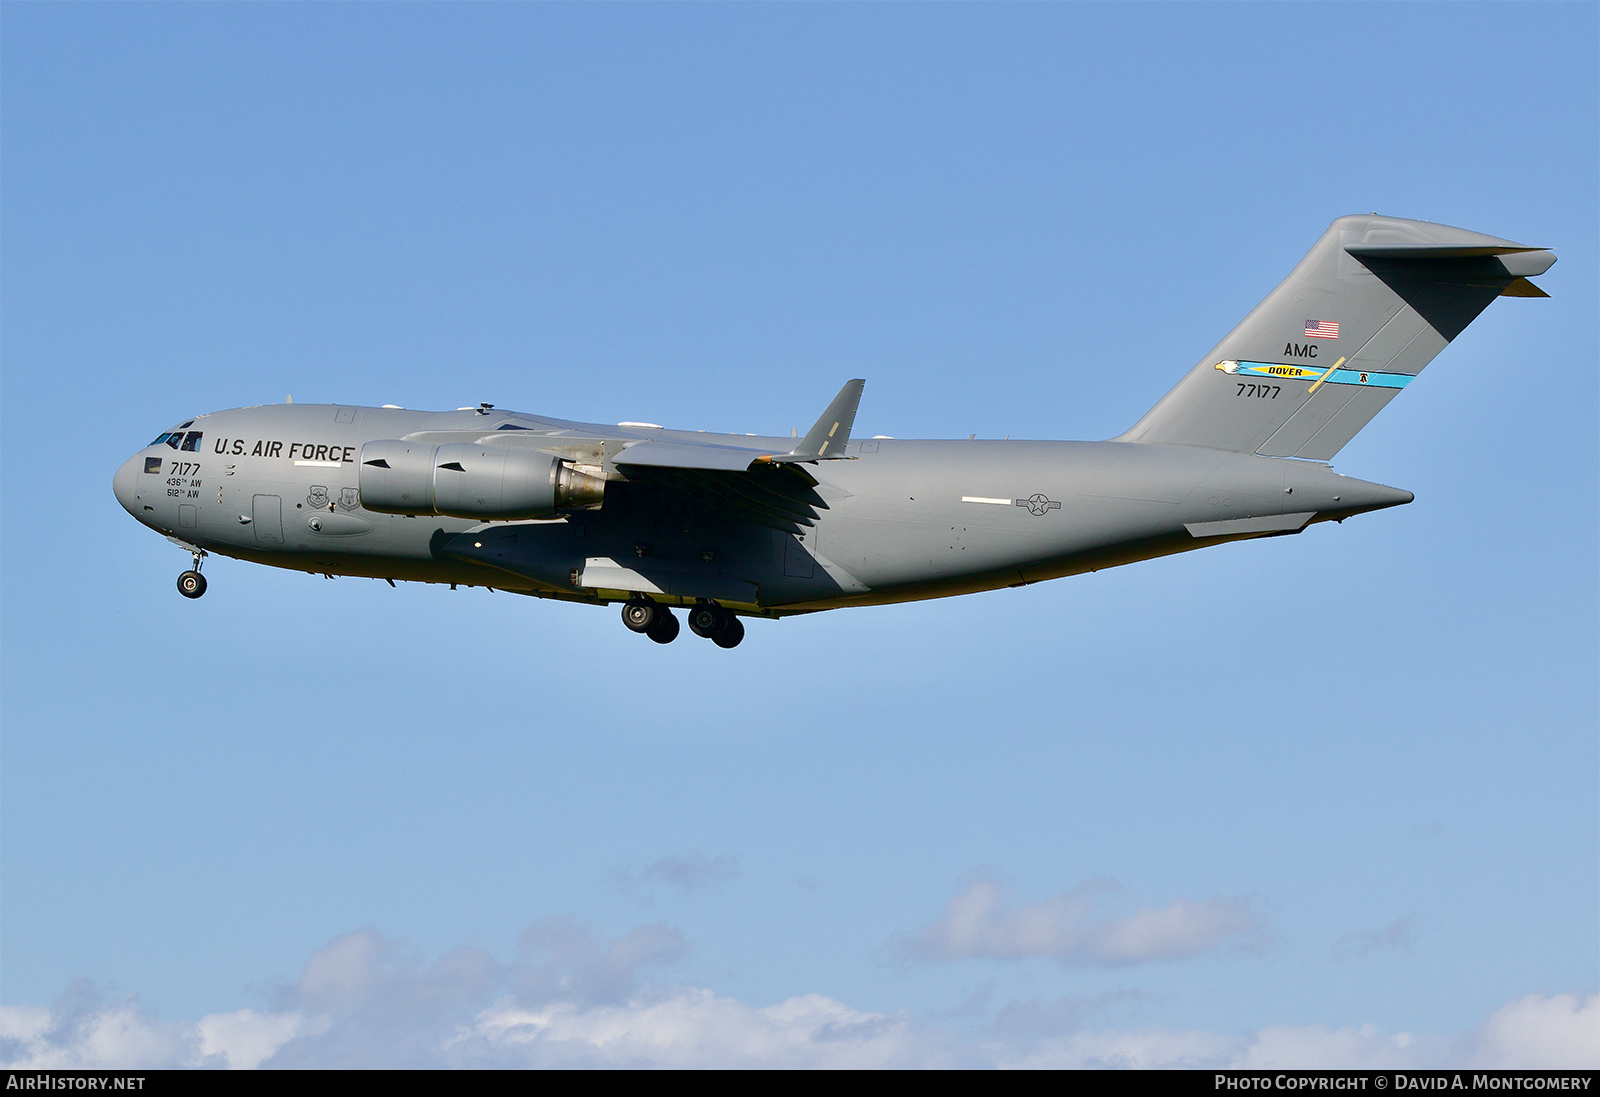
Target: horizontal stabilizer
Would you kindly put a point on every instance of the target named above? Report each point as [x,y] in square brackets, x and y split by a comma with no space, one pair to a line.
[826,440]
[1435,251]
[1471,264]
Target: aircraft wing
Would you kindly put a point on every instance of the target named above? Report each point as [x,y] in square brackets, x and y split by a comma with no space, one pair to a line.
[690,455]
[763,483]
[825,441]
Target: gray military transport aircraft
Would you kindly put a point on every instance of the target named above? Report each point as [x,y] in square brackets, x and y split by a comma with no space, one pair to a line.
[732,526]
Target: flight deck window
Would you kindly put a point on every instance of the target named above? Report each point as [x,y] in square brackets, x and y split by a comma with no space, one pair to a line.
[175,438]
[191,442]
[163,438]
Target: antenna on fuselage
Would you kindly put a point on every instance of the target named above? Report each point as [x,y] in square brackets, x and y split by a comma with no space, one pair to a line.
[289,399]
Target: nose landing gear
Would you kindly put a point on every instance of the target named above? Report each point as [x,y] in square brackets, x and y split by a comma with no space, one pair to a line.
[191,584]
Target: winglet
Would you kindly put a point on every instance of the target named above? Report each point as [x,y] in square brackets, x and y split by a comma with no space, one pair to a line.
[826,440]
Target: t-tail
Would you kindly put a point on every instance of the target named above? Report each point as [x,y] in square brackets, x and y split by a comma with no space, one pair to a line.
[1356,320]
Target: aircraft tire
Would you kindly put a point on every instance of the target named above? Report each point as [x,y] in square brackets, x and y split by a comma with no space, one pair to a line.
[707,619]
[191,584]
[665,630]
[640,615]
[731,633]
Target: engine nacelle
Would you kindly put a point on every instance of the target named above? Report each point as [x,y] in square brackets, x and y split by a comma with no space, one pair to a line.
[486,483]
[397,477]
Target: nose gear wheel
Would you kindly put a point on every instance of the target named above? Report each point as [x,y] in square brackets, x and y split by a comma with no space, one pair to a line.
[191,584]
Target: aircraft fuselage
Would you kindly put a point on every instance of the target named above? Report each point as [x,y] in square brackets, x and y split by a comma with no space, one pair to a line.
[901,520]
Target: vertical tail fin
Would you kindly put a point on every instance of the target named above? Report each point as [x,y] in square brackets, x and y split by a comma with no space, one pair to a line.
[1359,317]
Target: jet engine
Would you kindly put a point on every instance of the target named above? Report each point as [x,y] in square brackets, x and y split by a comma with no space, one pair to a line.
[469,481]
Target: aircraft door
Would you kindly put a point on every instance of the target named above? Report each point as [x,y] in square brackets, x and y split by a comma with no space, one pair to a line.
[267,518]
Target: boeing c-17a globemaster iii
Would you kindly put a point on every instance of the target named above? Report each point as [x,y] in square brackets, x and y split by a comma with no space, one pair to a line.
[726,527]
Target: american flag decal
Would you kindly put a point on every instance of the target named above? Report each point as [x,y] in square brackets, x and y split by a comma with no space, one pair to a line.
[1322,329]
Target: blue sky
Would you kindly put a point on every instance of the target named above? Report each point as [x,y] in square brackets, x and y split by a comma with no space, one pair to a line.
[1353,773]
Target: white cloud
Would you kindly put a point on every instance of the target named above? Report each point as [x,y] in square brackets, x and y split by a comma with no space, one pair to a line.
[569,998]
[83,1031]
[242,1040]
[1317,1047]
[1077,928]
[686,1027]
[1540,1030]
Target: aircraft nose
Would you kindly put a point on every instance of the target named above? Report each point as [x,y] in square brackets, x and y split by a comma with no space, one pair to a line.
[125,483]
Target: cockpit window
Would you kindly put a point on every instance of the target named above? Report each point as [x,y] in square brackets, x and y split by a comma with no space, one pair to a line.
[176,438]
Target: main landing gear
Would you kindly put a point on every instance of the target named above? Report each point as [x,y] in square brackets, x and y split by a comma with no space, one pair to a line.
[716,624]
[705,619]
[654,620]
[191,584]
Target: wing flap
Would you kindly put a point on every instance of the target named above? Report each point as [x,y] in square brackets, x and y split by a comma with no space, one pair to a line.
[781,497]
